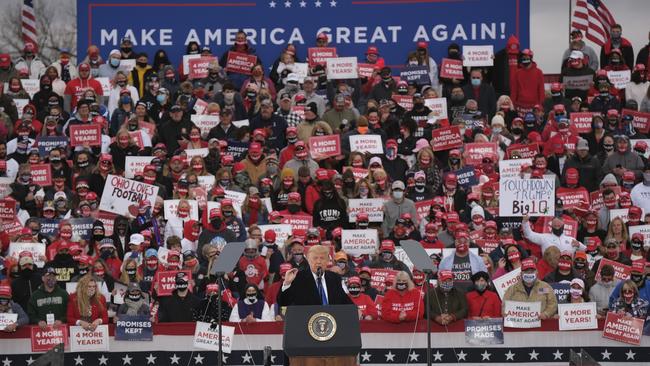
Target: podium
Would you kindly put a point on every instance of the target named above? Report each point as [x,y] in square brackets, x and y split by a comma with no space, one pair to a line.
[317,335]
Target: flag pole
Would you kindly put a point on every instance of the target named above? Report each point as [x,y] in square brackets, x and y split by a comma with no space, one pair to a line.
[570,16]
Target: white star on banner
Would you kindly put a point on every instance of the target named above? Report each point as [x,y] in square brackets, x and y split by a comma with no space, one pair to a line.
[78,360]
[533,355]
[557,355]
[510,356]
[174,359]
[461,355]
[365,357]
[246,358]
[151,359]
[198,359]
[486,356]
[317,3]
[272,4]
[630,355]
[103,360]
[30,361]
[6,362]
[413,356]
[390,357]
[126,359]
[224,357]
[437,356]
[303,4]
[606,354]
[287,4]
[333,4]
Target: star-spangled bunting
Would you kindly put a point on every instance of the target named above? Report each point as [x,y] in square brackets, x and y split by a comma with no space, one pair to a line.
[304,4]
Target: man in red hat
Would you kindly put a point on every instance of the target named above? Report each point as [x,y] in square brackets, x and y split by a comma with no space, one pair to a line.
[464,263]
[386,258]
[7,306]
[366,306]
[294,205]
[75,88]
[527,84]
[213,227]
[531,289]
[254,162]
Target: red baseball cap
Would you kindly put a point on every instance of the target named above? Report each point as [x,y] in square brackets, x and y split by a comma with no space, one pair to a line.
[445,275]
[572,176]
[387,245]
[372,50]
[269,236]
[528,263]
[638,266]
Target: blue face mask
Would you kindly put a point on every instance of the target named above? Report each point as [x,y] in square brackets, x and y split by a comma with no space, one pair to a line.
[161,98]
[476,82]
[126,100]
[114,62]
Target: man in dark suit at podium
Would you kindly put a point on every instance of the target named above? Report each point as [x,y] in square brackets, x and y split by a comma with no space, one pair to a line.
[314,286]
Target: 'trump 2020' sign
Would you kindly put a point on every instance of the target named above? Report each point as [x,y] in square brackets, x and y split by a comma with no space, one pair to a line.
[394,26]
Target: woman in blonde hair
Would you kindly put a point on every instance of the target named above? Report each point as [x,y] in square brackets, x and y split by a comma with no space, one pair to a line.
[403,302]
[130,272]
[617,230]
[87,307]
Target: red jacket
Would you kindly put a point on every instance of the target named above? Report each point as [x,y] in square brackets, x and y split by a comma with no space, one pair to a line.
[394,302]
[271,292]
[366,305]
[287,154]
[97,312]
[255,270]
[528,87]
[312,194]
[482,305]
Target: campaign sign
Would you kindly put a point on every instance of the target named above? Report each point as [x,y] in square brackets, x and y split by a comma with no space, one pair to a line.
[5,186]
[170,209]
[205,122]
[519,314]
[359,173]
[570,226]
[451,69]
[418,75]
[321,147]
[41,174]
[503,283]
[404,101]
[478,55]
[643,229]
[51,336]
[200,107]
[640,120]
[620,213]
[521,151]
[620,79]
[50,227]
[48,143]
[488,245]
[135,165]
[438,107]
[282,232]
[106,85]
[31,86]
[365,70]
[121,193]
[366,143]
[107,218]
[582,121]
[320,55]
[483,332]
[166,281]
[37,250]
[237,149]
[572,198]
[422,208]
[371,206]
[577,316]
[7,319]
[7,210]
[476,151]
[596,197]
[240,63]
[511,168]
[466,177]
[186,62]
[360,242]
[561,291]
[341,68]
[206,336]
[90,134]
[582,82]
[532,197]
[133,328]
[622,328]
[83,227]
[82,340]
[621,271]
[298,222]
[378,277]
[20,105]
[198,67]
[446,138]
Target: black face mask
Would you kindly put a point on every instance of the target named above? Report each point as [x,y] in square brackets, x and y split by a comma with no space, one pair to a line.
[125,49]
[83,271]
[328,195]
[131,272]
[135,297]
[98,237]
[46,87]
[141,64]
[181,285]
[216,223]
[558,232]
[517,131]
[354,291]
[579,265]
[365,282]
[26,272]
[636,245]
[637,278]
[293,208]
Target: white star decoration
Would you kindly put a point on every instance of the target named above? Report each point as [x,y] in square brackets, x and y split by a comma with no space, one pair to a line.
[272,4]
[510,356]
[317,3]
[461,355]
[606,354]
[198,359]
[174,359]
[437,356]
[365,357]
[557,355]
[333,4]
[126,359]
[630,355]
[272,359]
[486,356]
[287,4]
[246,358]
[6,362]
[103,360]
[533,355]
[224,357]
[303,4]
[30,361]
[390,357]
[78,360]
[413,356]
[151,359]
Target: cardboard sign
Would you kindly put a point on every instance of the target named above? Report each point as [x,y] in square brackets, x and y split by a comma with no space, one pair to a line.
[37,250]
[360,242]
[503,283]
[7,210]
[446,138]
[476,151]
[127,65]
[488,245]
[532,197]
[237,149]
[577,316]
[422,209]
[32,86]
[133,328]
[134,165]
[596,197]
[86,134]
[620,213]
[466,177]
[519,314]
[82,227]
[621,271]
[319,55]
[582,121]
[48,143]
[240,63]
[511,168]
[371,206]
[207,337]
[108,219]
[200,106]
[166,281]
[321,147]
[643,229]
[198,67]
[206,182]
[620,79]
[7,319]
[298,222]
[404,101]
[5,184]
[416,74]
[20,105]
[478,55]
[45,340]
[624,329]
[205,122]
[282,232]
[641,120]
[121,193]
[237,199]
[171,209]
[483,332]
[378,277]
[571,198]
[299,110]
[438,107]
[359,173]
[341,68]
[570,226]
[522,151]
[41,174]
[451,69]
[577,82]
[82,340]
[561,291]
[365,70]
[366,143]
[106,85]
[186,62]
[202,152]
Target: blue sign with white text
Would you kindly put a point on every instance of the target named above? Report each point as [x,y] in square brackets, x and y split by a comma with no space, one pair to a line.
[393,26]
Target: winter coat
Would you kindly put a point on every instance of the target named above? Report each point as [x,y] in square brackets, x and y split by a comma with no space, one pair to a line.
[528,86]
[395,302]
[541,292]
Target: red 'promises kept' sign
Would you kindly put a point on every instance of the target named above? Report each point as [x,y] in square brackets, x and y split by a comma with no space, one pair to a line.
[86,134]
[240,63]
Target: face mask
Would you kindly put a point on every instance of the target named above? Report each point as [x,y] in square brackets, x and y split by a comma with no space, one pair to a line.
[636,245]
[83,164]
[151,262]
[401,286]
[105,254]
[514,257]
[564,265]
[386,256]
[134,297]
[141,64]
[354,291]
[298,257]
[251,298]
[224,182]
[480,286]
[529,278]
[575,293]
[328,194]
[476,82]
[526,62]
[628,297]
[131,272]
[99,272]
[454,161]
[398,195]
[181,285]
[293,208]
[446,286]
[558,231]
[580,265]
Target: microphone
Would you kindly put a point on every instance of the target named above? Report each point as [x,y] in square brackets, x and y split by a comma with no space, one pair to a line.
[319,272]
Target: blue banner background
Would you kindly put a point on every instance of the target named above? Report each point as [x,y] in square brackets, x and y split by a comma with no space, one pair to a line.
[402,23]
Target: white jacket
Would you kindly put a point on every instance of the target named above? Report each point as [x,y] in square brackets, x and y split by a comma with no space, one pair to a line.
[640,195]
[562,242]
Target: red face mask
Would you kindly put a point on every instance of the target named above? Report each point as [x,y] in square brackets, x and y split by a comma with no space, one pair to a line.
[149,180]
[192,262]
[514,257]
[478,220]
[564,265]
[461,247]
[431,237]
[197,166]
[183,212]
[195,137]
[66,234]
[610,203]
[99,272]
[152,262]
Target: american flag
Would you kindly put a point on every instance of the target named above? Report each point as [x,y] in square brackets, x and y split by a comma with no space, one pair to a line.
[29,22]
[594,19]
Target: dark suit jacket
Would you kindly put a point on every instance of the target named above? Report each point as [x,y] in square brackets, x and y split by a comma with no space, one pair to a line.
[303,290]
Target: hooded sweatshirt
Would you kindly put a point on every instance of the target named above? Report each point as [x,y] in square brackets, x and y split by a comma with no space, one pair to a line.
[527,86]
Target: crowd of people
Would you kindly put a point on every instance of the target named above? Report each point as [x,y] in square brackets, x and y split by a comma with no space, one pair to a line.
[149,112]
